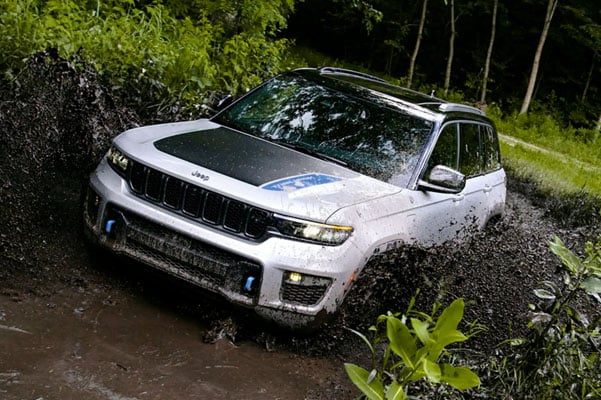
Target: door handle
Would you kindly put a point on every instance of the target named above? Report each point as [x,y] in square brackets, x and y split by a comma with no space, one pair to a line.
[458,198]
[487,189]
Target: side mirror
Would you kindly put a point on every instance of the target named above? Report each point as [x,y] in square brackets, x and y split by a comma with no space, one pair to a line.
[443,179]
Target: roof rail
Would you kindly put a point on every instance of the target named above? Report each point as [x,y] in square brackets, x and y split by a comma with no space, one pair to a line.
[449,107]
[334,70]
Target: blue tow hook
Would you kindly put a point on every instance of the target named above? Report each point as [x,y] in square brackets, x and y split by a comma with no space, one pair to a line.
[249,283]
[109,225]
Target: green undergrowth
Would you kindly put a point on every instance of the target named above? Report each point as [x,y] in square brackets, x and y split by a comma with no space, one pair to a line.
[560,160]
[540,129]
[161,55]
[552,171]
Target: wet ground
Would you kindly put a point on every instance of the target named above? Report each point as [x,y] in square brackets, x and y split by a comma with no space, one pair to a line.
[76,323]
[103,342]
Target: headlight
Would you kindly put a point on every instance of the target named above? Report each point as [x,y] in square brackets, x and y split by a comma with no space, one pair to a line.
[312,231]
[118,160]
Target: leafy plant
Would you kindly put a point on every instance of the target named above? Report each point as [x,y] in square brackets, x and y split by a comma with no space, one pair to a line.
[559,358]
[153,56]
[415,347]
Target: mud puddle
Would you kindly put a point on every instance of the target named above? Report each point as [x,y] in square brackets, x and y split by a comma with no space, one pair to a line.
[105,343]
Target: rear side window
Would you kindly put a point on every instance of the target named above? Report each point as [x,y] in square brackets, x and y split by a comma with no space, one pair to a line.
[490,145]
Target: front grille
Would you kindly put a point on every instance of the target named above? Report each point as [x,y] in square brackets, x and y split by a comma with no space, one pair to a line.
[305,295]
[182,256]
[202,205]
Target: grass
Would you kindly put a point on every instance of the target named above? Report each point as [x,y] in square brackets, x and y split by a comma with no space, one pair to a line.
[551,171]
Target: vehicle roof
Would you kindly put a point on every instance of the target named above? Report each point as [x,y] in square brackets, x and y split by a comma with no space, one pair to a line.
[431,103]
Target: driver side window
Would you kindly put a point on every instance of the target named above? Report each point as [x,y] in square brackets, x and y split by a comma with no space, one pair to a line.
[446,150]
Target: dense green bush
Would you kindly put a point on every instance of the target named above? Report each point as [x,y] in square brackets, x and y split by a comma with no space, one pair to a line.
[158,54]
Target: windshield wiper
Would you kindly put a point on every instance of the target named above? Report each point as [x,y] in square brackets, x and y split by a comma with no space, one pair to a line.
[310,152]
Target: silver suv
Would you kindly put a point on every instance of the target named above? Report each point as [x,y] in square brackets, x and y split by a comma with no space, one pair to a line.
[279,200]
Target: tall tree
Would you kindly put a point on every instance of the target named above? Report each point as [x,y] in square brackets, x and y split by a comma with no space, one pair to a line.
[418,41]
[493,31]
[447,76]
[551,6]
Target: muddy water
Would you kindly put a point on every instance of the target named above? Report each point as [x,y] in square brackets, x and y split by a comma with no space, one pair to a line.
[103,343]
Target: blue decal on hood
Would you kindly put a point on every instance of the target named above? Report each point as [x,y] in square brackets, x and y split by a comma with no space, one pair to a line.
[299,182]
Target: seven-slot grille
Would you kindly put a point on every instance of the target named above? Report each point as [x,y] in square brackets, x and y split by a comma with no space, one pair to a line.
[199,204]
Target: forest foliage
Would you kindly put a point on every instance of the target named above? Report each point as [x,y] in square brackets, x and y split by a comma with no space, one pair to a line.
[381,35]
[187,48]
[160,50]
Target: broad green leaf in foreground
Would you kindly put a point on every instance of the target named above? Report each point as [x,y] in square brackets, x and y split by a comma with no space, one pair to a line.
[374,390]
[461,378]
[395,392]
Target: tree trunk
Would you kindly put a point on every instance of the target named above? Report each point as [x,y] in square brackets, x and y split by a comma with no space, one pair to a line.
[589,78]
[493,31]
[417,43]
[447,76]
[551,6]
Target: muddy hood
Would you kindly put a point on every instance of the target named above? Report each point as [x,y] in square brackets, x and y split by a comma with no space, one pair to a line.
[253,170]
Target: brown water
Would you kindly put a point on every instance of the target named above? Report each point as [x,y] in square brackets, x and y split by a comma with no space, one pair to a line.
[103,343]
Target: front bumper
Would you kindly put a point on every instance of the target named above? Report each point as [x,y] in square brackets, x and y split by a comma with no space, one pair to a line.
[249,273]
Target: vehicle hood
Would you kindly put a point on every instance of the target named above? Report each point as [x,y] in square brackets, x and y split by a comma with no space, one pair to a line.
[250,169]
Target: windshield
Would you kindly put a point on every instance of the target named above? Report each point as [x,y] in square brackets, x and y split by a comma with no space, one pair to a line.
[368,133]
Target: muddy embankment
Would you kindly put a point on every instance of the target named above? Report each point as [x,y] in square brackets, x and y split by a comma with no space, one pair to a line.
[55,122]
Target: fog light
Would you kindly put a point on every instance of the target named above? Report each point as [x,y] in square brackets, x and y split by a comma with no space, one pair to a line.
[294,277]
[303,289]
[248,285]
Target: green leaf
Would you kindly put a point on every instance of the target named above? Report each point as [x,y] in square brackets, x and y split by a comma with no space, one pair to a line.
[364,338]
[544,294]
[442,341]
[421,330]
[395,392]
[374,390]
[450,317]
[418,359]
[592,285]
[460,378]
[569,259]
[402,342]
[432,371]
